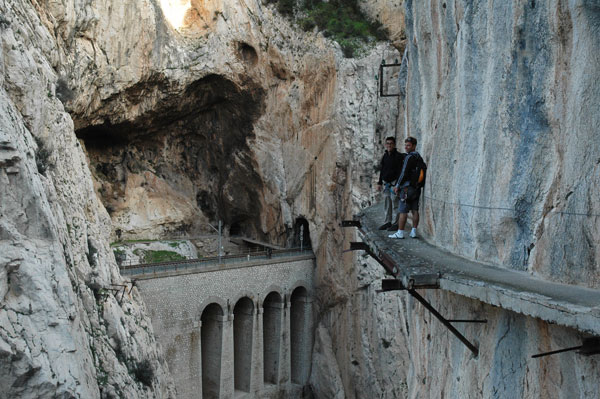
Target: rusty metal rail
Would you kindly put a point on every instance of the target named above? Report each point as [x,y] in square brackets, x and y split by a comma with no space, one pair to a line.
[410,282]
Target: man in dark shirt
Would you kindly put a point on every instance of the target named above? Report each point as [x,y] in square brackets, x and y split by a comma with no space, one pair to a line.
[390,168]
[408,189]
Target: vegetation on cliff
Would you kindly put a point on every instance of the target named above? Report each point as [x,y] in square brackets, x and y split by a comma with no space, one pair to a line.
[341,20]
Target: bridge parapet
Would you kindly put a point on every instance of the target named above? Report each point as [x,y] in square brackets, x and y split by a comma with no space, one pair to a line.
[210,264]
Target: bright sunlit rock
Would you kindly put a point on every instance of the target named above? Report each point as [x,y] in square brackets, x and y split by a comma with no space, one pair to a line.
[175,11]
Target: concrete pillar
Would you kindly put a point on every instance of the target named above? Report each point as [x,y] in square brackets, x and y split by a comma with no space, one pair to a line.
[183,354]
[227,382]
[257,375]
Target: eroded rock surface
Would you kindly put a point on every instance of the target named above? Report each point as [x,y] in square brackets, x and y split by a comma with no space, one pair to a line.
[130,120]
[505,101]
[145,119]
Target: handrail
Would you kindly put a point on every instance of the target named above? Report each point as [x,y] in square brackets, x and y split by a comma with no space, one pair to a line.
[184,264]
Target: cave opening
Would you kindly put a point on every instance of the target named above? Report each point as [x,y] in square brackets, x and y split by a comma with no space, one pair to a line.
[180,162]
[301,234]
[235,229]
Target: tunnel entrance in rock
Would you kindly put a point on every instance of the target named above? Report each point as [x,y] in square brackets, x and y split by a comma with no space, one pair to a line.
[301,234]
[181,163]
[235,229]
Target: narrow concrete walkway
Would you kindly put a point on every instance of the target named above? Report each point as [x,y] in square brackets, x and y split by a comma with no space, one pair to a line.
[417,260]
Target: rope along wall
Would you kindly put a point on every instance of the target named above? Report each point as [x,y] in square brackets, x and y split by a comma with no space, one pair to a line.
[549,213]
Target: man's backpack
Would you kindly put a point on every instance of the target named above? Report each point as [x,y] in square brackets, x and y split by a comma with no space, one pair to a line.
[419,175]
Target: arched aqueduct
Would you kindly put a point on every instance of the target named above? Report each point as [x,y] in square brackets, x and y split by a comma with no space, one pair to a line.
[237,331]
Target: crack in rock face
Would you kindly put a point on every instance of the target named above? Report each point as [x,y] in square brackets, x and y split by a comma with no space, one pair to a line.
[181,164]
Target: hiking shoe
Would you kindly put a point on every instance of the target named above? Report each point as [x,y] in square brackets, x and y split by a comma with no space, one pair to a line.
[398,234]
[384,226]
[413,233]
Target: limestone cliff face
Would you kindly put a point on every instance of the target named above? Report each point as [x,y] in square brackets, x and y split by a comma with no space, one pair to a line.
[68,328]
[144,120]
[505,101]
[150,119]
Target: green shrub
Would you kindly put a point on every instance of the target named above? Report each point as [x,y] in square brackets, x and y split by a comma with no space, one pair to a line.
[120,256]
[42,156]
[286,7]
[340,20]
[151,256]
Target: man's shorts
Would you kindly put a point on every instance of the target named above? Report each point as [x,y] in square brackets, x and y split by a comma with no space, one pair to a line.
[405,206]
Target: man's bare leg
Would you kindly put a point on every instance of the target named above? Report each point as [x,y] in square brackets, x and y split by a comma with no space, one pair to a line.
[415,223]
[415,219]
[402,220]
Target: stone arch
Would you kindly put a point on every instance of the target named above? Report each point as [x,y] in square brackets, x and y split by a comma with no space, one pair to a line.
[272,320]
[274,288]
[243,294]
[243,325]
[300,338]
[297,284]
[216,300]
[211,341]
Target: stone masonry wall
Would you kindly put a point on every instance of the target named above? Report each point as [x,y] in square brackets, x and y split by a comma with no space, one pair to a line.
[176,303]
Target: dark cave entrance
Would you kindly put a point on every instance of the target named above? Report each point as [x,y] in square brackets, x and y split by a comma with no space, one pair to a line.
[180,164]
[301,234]
[235,229]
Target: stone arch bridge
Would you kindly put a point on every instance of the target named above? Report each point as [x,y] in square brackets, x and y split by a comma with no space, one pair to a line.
[242,328]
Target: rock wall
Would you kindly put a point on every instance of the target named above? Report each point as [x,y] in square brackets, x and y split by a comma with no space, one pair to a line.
[505,100]
[140,120]
[67,329]
[151,118]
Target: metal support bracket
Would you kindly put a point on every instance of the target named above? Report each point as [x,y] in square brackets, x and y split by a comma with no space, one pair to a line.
[394,284]
[384,261]
[589,346]
[445,322]
[123,291]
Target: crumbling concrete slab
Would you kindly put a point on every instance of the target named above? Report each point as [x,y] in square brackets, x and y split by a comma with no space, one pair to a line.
[567,305]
